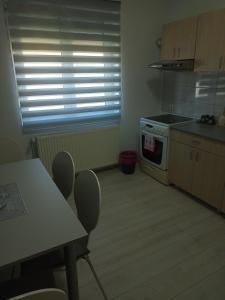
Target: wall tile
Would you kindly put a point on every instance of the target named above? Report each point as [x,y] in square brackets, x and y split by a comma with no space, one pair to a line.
[193,94]
[203,109]
[219,110]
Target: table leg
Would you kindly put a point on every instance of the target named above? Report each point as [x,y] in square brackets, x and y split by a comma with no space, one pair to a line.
[71,273]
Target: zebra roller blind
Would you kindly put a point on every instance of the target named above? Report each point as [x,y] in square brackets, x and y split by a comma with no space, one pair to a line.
[67,62]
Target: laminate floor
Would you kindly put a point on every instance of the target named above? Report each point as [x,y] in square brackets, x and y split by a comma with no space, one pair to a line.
[153,242]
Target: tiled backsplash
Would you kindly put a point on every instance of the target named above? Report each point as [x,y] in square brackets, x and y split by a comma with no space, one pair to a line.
[193,94]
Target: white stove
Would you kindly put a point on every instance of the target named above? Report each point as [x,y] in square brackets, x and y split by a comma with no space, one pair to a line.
[154,138]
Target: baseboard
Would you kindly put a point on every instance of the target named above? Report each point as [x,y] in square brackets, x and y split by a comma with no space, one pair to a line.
[110,167]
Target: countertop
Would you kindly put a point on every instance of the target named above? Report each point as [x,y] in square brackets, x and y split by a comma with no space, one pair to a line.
[212,132]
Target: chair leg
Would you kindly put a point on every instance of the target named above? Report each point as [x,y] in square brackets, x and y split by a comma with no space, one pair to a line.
[87,258]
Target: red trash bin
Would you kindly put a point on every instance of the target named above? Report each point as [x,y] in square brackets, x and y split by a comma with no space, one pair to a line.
[127,161]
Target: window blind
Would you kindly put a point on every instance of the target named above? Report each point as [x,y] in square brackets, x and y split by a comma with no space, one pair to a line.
[67,62]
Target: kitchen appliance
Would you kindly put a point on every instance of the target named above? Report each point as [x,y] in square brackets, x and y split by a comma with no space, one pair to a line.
[174,65]
[221,119]
[154,143]
[207,119]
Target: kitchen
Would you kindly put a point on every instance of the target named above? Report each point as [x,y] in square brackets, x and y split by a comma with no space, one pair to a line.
[195,160]
[177,252]
[193,49]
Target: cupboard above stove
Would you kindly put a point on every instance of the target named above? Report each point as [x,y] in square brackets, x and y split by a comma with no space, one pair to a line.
[179,39]
[201,38]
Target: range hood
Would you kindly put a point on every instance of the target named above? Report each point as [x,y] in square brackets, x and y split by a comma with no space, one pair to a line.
[174,65]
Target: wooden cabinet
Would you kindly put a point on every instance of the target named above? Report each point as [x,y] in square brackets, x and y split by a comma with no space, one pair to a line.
[178,39]
[223,201]
[208,178]
[210,45]
[168,41]
[201,38]
[180,165]
[196,170]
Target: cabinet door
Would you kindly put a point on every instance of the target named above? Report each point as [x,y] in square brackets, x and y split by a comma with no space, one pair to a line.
[223,199]
[208,178]
[210,45]
[186,38]
[220,187]
[168,49]
[178,39]
[181,165]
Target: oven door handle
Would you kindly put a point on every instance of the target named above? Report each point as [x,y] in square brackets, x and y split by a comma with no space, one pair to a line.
[154,135]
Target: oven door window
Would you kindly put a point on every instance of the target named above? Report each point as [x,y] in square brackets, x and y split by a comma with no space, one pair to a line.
[156,153]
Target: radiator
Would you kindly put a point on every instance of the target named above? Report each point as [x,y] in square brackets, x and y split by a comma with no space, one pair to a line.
[90,149]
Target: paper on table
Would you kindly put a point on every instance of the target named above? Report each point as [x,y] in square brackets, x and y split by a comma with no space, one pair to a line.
[12,203]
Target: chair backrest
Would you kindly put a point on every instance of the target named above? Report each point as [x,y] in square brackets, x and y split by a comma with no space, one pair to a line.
[87,196]
[45,294]
[9,151]
[63,172]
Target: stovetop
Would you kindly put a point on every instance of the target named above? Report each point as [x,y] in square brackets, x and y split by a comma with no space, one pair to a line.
[168,119]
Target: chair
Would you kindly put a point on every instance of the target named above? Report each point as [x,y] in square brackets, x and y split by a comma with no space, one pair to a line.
[87,195]
[45,294]
[63,171]
[9,151]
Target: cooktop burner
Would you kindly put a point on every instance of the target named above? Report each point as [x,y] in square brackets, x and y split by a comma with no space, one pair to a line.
[168,119]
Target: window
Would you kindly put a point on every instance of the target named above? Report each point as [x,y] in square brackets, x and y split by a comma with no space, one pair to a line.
[67,62]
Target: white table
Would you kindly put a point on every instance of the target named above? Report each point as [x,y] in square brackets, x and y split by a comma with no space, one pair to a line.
[49,224]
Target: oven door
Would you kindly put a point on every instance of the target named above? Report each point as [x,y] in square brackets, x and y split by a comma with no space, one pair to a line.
[157,153]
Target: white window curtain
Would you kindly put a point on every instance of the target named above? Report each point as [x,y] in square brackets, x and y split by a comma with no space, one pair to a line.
[67,62]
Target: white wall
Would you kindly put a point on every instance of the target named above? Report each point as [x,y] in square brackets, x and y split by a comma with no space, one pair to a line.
[141,25]
[186,8]
[9,113]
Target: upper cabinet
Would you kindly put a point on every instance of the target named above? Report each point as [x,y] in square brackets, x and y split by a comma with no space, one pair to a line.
[179,39]
[210,45]
[168,41]
[201,38]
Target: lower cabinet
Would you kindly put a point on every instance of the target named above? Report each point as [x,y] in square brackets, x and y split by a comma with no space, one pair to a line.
[198,172]
[223,203]
[208,178]
[180,165]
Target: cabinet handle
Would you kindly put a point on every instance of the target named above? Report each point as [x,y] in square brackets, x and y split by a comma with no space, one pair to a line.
[220,62]
[195,142]
[197,63]
[174,52]
[197,157]
[191,154]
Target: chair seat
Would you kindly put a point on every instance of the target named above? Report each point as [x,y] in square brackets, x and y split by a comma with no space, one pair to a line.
[24,284]
[42,294]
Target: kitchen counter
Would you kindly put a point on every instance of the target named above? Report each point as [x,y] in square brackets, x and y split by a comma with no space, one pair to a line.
[213,132]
